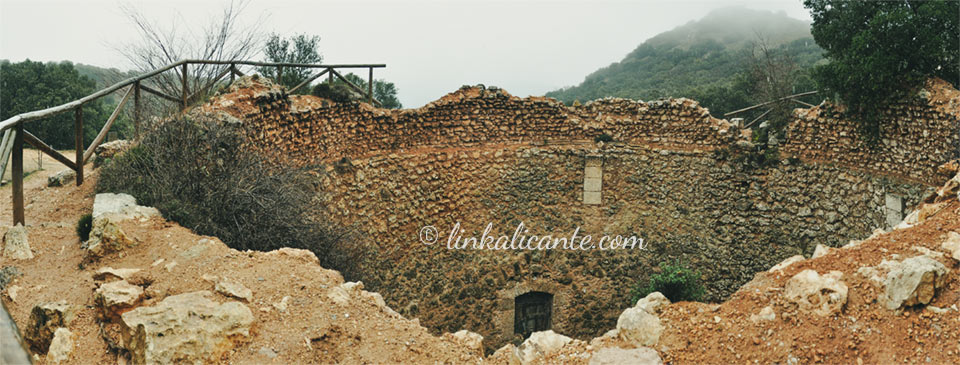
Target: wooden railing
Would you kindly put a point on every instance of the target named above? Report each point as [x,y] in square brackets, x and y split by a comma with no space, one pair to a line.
[14,133]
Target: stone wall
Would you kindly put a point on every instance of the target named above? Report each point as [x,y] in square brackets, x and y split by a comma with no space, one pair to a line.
[917,136]
[727,221]
[306,130]
[480,156]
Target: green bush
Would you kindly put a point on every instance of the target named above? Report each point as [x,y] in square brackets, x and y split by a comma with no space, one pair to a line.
[339,92]
[84,225]
[675,281]
[198,174]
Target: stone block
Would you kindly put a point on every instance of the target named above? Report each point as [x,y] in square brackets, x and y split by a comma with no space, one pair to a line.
[593,172]
[591,197]
[592,184]
[894,202]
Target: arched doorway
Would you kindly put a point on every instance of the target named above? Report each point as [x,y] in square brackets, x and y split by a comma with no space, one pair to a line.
[532,313]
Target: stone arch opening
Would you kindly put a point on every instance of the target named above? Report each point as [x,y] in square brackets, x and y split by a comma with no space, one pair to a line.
[532,313]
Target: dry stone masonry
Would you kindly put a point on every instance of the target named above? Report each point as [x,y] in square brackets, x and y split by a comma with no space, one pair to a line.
[661,170]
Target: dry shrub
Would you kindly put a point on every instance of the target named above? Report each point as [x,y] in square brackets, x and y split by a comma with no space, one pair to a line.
[195,170]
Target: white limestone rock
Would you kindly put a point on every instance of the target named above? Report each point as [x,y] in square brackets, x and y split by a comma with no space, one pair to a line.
[185,328]
[15,244]
[821,295]
[539,345]
[61,346]
[913,281]
[789,261]
[653,303]
[639,327]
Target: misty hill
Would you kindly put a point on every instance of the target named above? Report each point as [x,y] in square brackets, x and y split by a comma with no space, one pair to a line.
[701,55]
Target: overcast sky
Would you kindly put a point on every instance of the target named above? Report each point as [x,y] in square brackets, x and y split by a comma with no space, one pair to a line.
[430,47]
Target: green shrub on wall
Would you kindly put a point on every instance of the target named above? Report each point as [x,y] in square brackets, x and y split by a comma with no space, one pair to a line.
[675,281]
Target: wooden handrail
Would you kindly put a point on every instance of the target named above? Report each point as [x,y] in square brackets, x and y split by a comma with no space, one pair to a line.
[42,113]
[15,135]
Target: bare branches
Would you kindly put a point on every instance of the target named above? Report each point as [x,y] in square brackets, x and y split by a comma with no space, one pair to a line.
[223,38]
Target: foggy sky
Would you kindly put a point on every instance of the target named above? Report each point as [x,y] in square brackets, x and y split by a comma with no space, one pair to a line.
[430,47]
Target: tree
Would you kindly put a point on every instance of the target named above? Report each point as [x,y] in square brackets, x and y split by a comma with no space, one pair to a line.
[29,85]
[881,50]
[224,38]
[279,50]
[383,91]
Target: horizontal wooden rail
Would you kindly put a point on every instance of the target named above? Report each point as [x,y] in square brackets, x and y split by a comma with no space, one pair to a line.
[42,113]
[14,135]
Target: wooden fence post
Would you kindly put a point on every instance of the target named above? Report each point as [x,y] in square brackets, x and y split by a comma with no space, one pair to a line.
[17,175]
[330,78]
[78,140]
[183,81]
[136,110]
[370,87]
[279,74]
[233,72]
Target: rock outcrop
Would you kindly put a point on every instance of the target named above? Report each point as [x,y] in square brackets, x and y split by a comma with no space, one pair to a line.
[61,346]
[822,295]
[44,321]
[116,297]
[185,328]
[913,281]
[15,244]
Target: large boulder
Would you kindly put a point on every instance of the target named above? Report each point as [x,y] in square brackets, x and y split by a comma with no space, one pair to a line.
[619,356]
[822,295]
[116,297]
[185,328]
[15,244]
[638,326]
[44,321]
[539,345]
[913,281]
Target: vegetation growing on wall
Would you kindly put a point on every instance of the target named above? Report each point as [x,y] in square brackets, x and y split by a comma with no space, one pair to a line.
[675,281]
[880,51]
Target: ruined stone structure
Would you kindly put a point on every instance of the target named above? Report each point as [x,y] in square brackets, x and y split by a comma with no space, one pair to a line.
[668,175]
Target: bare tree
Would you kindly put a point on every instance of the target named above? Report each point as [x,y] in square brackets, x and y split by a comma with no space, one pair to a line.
[224,38]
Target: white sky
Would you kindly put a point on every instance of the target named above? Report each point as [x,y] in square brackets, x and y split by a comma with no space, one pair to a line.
[430,48]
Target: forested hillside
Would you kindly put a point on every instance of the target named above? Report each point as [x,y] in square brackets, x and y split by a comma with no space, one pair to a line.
[708,59]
